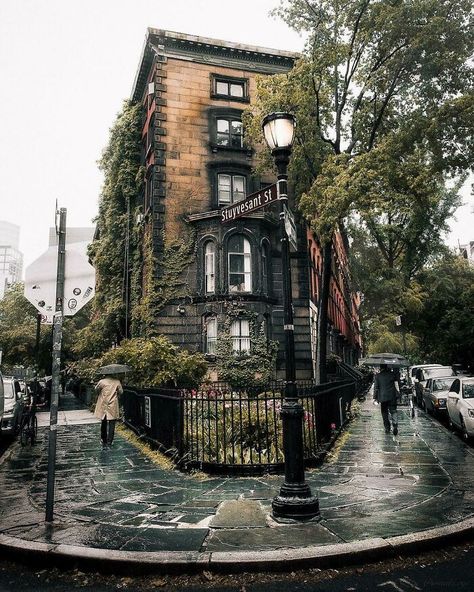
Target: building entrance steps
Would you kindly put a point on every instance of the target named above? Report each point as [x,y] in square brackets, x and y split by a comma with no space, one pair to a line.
[378,494]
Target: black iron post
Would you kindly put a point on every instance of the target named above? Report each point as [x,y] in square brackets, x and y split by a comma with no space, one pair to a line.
[37,361]
[295,500]
[57,342]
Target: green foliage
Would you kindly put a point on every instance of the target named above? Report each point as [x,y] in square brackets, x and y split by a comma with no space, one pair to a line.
[118,209]
[154,362]
[170,283]
[17,328]
[385,110]
[390,77]
[446,321]
[253,368]
[250,427]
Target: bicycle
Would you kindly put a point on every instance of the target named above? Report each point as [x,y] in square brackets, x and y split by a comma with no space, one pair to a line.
[29,427]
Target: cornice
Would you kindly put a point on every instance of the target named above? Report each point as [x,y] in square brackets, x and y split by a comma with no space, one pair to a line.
[170,44]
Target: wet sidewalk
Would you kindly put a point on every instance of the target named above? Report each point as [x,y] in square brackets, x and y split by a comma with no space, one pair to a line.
[378,493]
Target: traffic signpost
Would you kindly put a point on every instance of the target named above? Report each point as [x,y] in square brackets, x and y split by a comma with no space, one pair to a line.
[59,283]
[79,281]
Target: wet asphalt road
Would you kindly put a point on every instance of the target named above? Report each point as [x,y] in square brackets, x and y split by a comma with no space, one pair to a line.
[440,570]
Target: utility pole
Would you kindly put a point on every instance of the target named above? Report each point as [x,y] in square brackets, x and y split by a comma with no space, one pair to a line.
[57,342]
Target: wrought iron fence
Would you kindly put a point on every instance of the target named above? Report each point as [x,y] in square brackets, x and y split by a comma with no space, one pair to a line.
[221,429]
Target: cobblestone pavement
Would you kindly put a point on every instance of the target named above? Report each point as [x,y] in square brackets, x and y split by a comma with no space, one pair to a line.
[371,485]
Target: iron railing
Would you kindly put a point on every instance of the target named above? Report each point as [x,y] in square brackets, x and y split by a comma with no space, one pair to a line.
[221,429]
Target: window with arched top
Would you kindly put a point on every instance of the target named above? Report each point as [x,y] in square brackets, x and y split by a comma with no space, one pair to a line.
[239,264]
[210,267]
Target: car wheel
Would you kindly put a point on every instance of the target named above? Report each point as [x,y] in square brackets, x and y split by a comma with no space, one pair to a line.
[465,435]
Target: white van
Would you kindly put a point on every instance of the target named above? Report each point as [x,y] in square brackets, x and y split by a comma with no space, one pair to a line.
[413,369]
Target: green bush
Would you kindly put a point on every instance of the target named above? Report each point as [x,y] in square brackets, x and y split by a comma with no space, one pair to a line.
[153,362]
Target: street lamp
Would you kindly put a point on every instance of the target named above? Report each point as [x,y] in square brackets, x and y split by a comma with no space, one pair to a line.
[295,499]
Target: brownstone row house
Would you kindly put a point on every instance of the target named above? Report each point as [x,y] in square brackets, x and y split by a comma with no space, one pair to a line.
[194,91]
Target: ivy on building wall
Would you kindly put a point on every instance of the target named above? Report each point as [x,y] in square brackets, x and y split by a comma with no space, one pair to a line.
[113,252]
[133,283]
[253,368]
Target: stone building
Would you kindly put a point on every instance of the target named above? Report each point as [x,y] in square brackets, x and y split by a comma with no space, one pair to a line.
[11,258]
[194,91]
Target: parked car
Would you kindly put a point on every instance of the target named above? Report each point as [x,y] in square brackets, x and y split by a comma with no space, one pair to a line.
[435,395]
[423,374]
[461,405]
[13,406]
[412,370]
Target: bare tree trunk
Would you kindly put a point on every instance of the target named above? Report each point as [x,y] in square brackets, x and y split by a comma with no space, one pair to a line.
[321,349]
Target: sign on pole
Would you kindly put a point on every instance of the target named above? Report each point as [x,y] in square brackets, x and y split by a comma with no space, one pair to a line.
[79,283]
[290,227]
[398,320]
[250,204]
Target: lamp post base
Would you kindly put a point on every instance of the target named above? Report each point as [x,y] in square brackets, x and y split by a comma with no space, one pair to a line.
[295,502]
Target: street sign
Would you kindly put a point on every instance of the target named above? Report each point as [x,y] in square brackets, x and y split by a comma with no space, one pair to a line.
[290,227]
[398,321]
[250,204]
[79,283]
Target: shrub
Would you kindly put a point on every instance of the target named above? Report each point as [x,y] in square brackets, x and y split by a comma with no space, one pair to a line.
[153,362]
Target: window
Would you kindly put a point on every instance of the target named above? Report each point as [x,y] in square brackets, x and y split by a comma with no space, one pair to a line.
[210,267]
[149,189]
[150,135]
[211,335]
[239,260]
[229,133]
[265,268]
[225,87]
[240,334]
[230,188]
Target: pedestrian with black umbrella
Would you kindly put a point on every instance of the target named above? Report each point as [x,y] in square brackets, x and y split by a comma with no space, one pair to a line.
[386,393]
[107,409]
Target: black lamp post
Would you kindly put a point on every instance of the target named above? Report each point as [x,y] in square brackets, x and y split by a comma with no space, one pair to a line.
[295,500]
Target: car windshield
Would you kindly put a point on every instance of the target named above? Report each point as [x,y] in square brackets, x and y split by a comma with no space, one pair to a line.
[468,390]
[442,385]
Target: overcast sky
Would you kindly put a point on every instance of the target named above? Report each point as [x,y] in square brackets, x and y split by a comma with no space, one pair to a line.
[65,68]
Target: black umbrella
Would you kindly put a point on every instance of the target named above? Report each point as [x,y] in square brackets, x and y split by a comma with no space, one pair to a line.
[392,360]
[114,369]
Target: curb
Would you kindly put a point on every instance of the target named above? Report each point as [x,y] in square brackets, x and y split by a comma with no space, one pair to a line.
[341,554]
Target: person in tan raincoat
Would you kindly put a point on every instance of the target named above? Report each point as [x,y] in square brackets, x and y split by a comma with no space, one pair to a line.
[107,407]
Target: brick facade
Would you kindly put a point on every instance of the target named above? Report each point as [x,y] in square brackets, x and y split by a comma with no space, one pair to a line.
[179,82]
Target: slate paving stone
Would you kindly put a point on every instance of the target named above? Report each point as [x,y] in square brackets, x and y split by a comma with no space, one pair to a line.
[239,514]
[373,485]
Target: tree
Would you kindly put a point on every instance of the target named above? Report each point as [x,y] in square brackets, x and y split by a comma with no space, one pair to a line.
[380,82]
[18,332]
[17,328]
[445,323]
